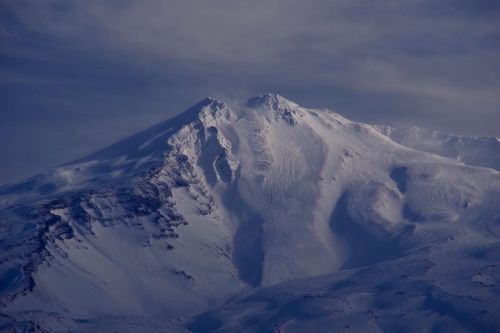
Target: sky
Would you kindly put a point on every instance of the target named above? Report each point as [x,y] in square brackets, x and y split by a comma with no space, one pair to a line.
[78,75]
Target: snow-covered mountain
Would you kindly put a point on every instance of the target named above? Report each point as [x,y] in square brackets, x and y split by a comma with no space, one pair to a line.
[473,150]
[261,216]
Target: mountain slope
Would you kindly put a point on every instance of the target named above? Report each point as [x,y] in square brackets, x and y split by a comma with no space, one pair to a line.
[226,200]
[480,151]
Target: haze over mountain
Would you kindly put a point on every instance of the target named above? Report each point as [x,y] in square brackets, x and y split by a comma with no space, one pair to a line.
[258,216]
[78,75]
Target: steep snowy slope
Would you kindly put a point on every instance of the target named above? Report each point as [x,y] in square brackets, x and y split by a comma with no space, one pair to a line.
[252,202]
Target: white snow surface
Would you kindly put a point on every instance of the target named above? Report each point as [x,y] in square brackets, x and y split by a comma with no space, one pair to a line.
[260,216]
[473,150]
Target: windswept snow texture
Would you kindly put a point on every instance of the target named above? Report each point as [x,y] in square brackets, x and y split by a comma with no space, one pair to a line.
[261,216]
[479,151]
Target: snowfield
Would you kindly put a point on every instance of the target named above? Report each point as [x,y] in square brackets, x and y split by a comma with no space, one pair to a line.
[261,216]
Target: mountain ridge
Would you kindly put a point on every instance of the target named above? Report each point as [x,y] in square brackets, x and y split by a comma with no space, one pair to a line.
[227,200]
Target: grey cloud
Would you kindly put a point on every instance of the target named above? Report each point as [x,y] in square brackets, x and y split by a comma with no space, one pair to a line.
[415,62]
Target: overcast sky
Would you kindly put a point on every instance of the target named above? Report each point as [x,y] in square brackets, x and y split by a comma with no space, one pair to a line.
[77,75]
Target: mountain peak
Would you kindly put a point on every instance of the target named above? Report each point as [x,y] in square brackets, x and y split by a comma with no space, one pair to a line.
[281,107]
[205,102]
[248,196]
[271,101]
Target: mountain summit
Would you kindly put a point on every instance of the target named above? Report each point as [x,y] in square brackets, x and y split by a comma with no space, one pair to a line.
[255,217]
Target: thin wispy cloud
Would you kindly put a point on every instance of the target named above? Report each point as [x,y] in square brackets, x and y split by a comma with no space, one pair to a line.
[81,64]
